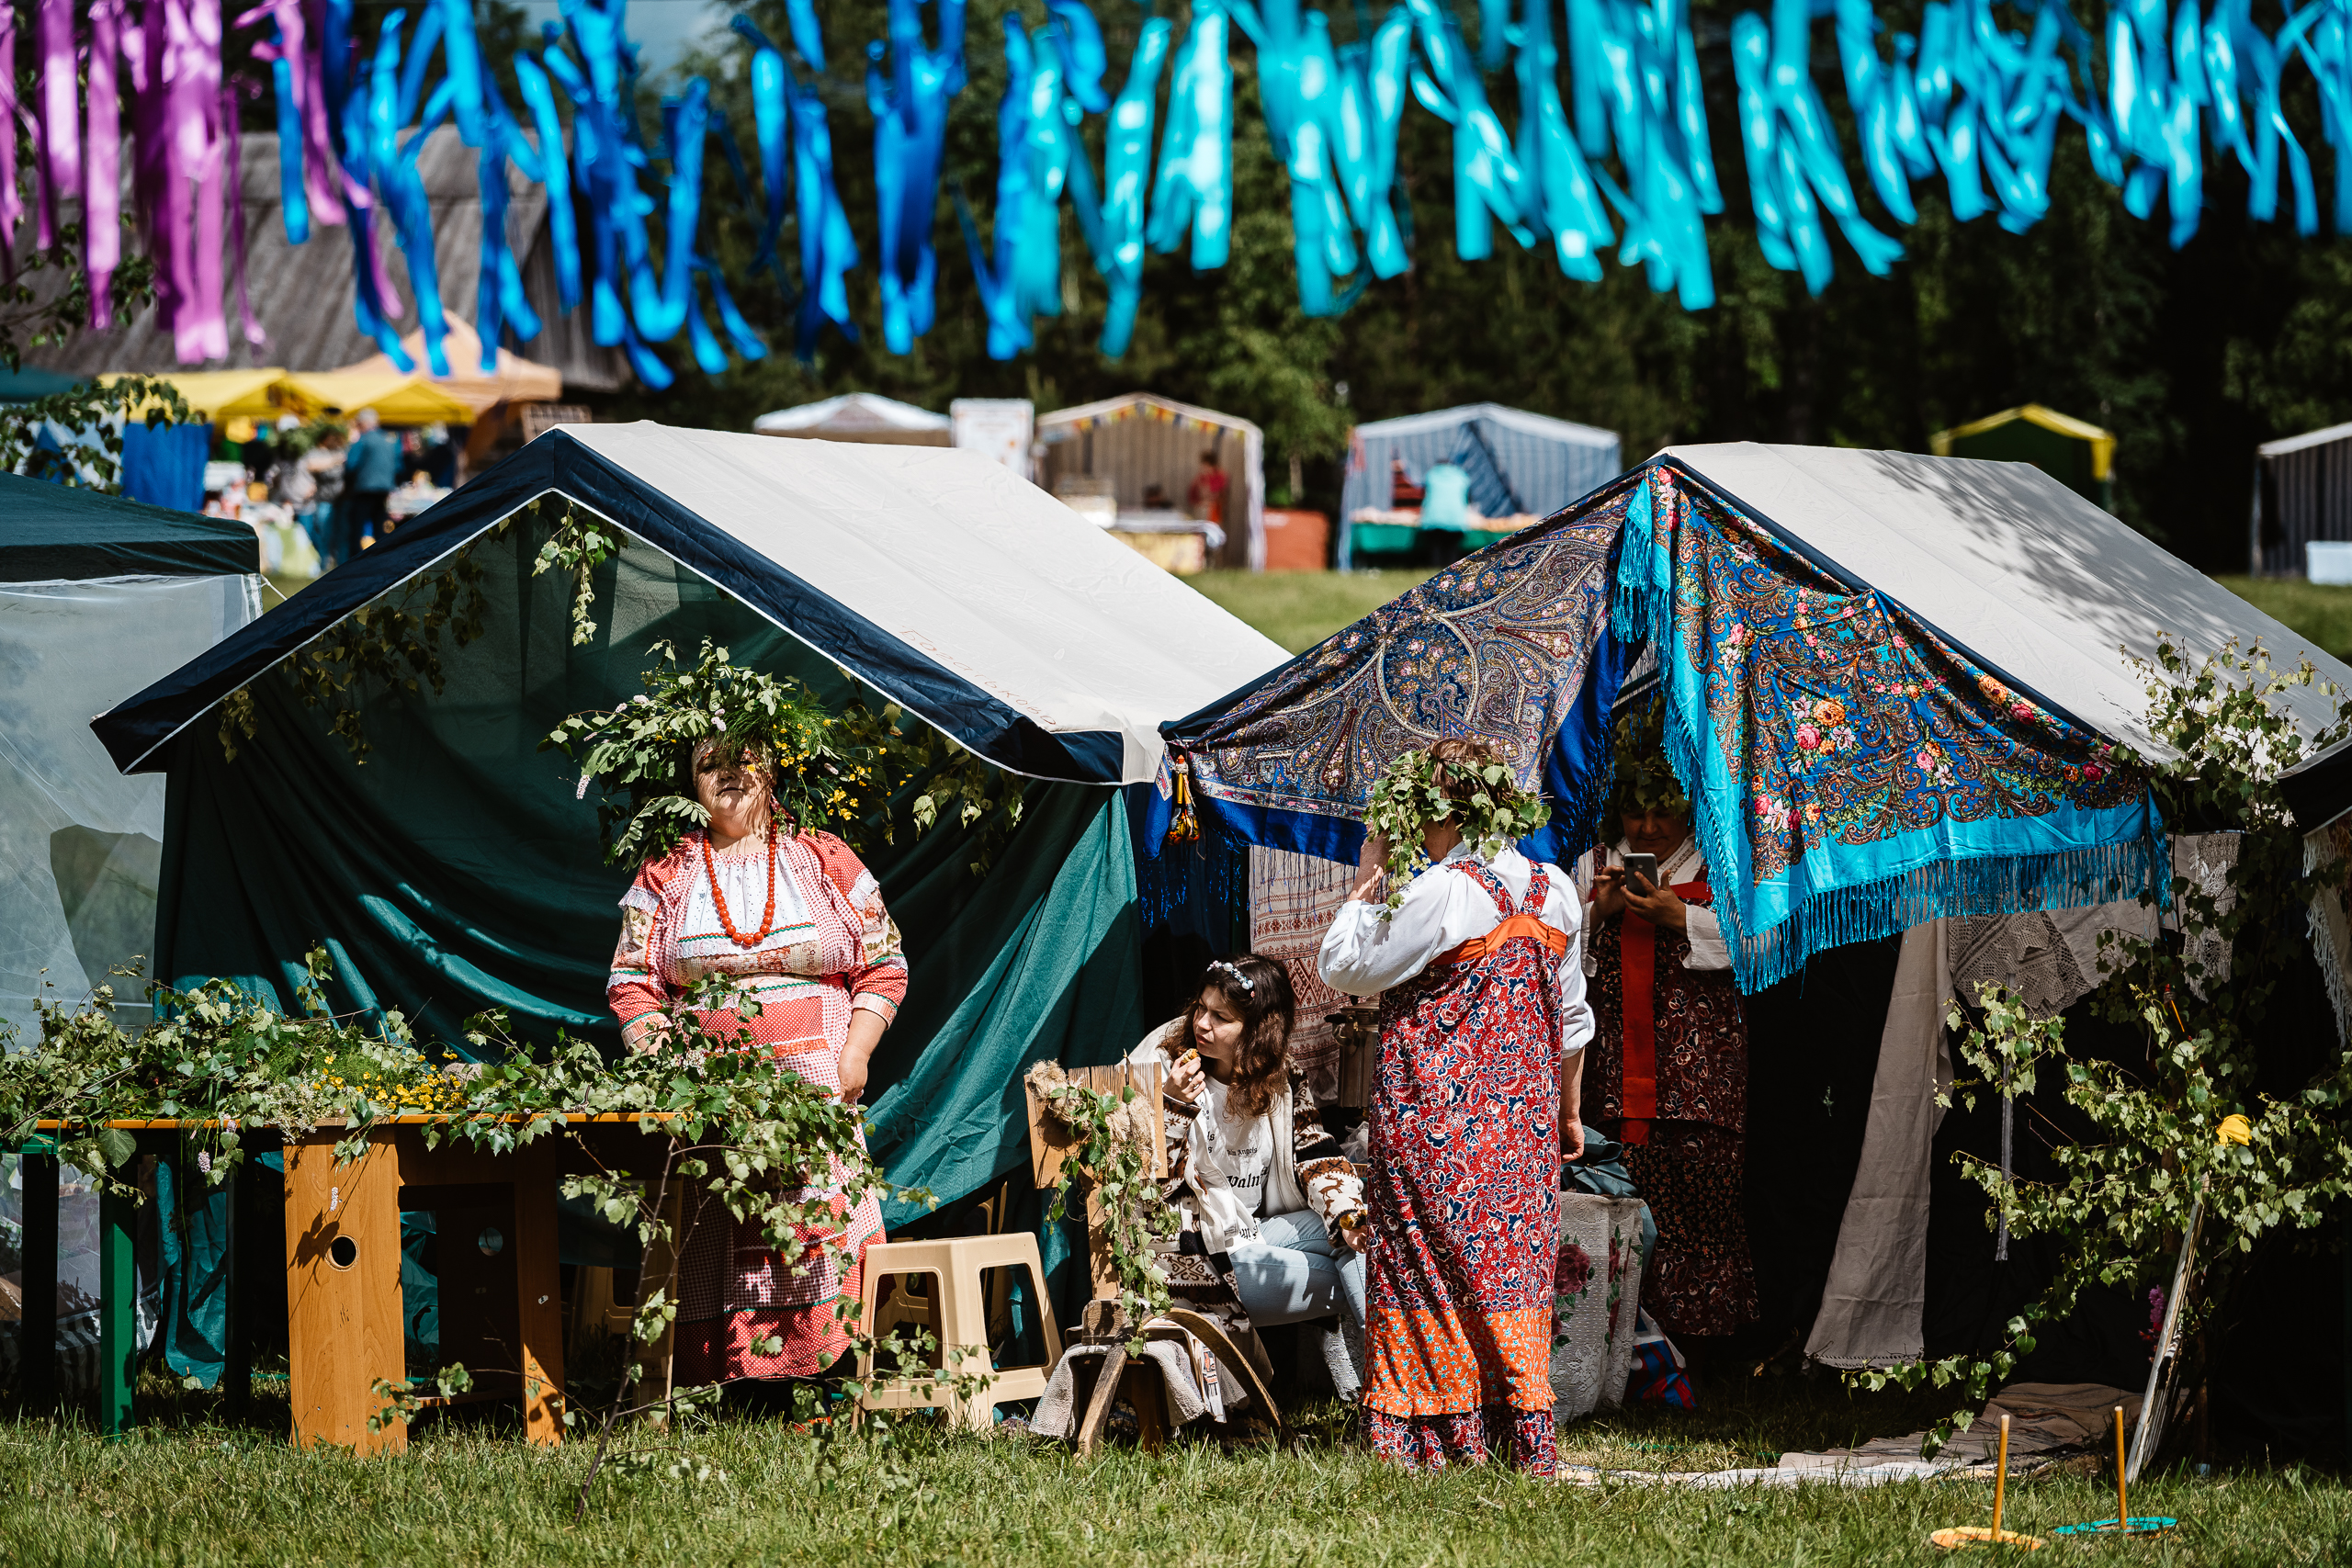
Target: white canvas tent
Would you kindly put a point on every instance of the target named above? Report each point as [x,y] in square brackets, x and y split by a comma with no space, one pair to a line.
[98,597]
[985,606]
[859,417]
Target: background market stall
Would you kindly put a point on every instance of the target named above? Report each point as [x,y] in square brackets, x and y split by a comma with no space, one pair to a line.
[1129,463]
[1520,467]
[2075,453]
[2302,506]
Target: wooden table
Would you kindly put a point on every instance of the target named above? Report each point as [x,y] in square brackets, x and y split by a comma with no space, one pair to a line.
[500,1271]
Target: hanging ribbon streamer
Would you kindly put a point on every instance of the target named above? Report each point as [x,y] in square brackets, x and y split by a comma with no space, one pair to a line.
[1114,230]
[1567,200]
[1194,192]
[1487,179]
[2156,87]
[1646,106]
[1298,80]
[909,109]
[1793,160]
[102,162]
[1371,110]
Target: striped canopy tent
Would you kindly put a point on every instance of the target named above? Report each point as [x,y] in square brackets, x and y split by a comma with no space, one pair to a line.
[2302,496]
[1519,466]
[2075,453]
[1133,445]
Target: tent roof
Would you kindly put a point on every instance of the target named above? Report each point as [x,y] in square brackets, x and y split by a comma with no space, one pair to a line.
[1107,408]
[50,532]
[859,417]
[2102,443]
[2287,443]
[399,396]
[517,380]
[1441,420]
[2032,579]
[959,590]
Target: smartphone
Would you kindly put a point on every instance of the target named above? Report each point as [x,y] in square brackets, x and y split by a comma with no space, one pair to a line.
[1643,867]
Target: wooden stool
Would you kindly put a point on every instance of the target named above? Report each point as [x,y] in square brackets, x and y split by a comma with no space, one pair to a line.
[959,1319]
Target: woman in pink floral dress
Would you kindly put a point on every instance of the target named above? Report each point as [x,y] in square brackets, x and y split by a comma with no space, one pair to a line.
[799,920]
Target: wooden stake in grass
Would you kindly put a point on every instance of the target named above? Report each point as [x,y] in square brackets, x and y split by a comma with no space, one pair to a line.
[2122,1502]
[1977,1535]
[2001,1476]
[2124,1523]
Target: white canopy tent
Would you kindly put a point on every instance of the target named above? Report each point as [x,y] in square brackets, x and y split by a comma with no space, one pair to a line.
[969,596]
[860,416]
[99,596]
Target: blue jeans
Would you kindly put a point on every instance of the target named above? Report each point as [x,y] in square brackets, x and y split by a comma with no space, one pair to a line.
[1293,1271]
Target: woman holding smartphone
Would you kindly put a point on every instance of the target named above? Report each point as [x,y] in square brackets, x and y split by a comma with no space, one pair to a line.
[1668,1075]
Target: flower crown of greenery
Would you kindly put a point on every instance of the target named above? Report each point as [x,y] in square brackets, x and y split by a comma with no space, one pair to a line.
[824,768]
[1411,796]
[1645,780]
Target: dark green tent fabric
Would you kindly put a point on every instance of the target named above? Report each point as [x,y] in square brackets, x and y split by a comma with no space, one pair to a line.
[456,869]
[49,533]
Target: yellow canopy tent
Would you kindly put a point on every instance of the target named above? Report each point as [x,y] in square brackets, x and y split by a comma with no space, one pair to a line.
[220,396]
[397,399]
[517,380]
[2078,454]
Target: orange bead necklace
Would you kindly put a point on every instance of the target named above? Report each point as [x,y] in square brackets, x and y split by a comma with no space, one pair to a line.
[726,922]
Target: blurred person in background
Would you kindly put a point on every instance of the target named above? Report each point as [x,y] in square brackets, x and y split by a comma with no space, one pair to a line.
[322,465]
[369,474]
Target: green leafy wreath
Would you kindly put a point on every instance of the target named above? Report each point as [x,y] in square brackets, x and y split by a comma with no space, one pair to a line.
[1411,797]
[829,769]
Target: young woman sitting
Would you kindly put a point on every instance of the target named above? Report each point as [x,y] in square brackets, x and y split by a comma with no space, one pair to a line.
[1267,1202]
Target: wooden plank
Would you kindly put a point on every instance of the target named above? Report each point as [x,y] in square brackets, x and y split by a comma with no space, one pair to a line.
[656,1273]
[539,1283]
[1050,1141]
[342,1301]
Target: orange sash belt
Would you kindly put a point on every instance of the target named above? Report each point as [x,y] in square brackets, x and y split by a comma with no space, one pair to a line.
[1637,957]
[1526,925]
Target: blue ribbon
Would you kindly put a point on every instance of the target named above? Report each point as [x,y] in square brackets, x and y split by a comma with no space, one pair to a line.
[909,109]
[1488,184]
[1371,110]
[1194,194]
[1566,201]
[1126,170]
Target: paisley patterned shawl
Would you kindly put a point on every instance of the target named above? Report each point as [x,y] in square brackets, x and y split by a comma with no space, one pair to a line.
[1500,646]
[1854,774]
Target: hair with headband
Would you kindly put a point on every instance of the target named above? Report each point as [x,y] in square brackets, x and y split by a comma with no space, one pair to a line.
[1259,991]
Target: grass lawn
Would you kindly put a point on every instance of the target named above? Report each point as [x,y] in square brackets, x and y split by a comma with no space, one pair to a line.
[197,1492]
[1299,609]
[2322,614]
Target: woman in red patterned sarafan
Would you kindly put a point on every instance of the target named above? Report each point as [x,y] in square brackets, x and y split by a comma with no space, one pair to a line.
[797,918]
[1483,1024]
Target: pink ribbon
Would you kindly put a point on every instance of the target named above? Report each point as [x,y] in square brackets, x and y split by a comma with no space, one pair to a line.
[102,169]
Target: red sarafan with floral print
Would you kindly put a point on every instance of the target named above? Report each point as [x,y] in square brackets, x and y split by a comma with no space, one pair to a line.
[826,947]
[1465,1204]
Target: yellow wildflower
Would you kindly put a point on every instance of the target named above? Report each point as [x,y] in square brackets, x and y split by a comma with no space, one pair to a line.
[2235,1130]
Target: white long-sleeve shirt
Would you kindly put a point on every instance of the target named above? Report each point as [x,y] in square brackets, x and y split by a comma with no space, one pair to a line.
[1444,908]
[1701,924]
